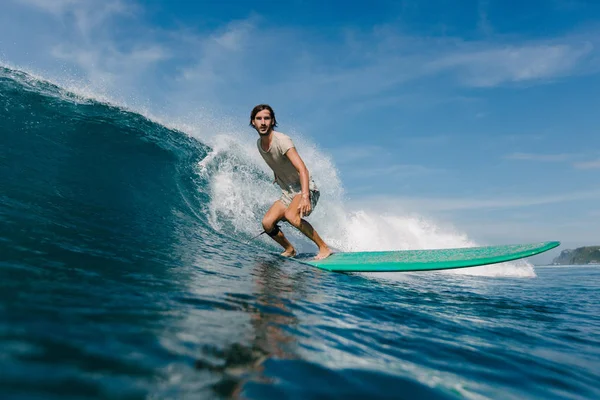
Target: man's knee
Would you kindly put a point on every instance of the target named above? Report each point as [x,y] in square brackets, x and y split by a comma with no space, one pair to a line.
[268,224]
[293,218]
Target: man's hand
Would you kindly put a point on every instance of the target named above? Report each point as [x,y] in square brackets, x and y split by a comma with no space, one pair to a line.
[304,205]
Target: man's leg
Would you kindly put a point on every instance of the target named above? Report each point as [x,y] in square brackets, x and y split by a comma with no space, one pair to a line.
[275,214]
[292,214]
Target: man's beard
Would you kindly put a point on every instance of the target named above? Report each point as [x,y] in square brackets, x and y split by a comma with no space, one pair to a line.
[266,133]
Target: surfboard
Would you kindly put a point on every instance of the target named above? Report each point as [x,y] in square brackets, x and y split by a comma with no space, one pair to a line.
[427,260]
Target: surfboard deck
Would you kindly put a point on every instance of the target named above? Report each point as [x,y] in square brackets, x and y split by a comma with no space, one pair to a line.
[427,260]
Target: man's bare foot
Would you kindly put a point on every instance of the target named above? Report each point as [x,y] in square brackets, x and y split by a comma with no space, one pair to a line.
[323,253]
[289,253]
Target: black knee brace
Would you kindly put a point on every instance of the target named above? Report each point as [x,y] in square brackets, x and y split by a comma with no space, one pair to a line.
[274,231]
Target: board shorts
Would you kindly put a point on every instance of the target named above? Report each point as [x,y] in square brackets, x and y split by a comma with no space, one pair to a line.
[287,197]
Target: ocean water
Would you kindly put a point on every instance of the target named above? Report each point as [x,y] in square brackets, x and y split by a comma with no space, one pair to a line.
[125,273]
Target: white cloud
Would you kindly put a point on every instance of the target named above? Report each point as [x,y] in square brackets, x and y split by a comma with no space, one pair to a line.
[108,63]
[82,44]
[367,68]
[246,61]
[392,171]
[540,157]
[442,204]
[500,64]
[483,22]
[430,141]
[56,7]
[533,230]
[351,154]
[218,58]
[588,164]
[235,37]
[86,14]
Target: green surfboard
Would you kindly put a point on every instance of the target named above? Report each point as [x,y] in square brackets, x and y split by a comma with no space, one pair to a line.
[428,260]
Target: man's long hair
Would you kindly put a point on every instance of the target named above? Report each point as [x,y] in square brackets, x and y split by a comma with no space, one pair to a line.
[261,107]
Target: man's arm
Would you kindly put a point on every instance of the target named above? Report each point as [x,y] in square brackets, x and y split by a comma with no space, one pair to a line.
[297,162]
[304,206]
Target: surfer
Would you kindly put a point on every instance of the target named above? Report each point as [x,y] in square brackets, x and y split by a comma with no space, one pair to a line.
[299,194]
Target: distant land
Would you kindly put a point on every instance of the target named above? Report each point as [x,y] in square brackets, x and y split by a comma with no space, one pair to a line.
[579,256]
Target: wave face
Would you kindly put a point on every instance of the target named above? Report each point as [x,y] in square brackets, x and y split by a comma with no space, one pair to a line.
[78,174]
[124,273]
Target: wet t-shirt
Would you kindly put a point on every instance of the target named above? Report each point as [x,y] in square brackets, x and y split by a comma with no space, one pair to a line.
[286,175]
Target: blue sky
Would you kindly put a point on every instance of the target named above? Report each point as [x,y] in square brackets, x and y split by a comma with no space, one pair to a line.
[480,113]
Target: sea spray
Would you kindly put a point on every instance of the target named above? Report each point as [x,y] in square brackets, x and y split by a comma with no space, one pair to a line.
[242,190]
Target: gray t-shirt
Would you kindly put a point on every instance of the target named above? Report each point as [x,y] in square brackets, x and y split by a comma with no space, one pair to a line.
[286,175]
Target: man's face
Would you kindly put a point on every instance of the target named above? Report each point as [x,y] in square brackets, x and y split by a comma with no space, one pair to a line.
[263,122]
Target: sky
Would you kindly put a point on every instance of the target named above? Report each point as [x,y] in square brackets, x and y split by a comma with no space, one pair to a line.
[481,113]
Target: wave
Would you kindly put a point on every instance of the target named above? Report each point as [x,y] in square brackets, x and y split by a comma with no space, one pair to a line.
[78,162]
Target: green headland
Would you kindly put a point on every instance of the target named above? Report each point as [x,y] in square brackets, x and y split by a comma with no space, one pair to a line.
[579,256]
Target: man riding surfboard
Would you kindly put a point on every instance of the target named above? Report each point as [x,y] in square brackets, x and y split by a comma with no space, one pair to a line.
[299,194]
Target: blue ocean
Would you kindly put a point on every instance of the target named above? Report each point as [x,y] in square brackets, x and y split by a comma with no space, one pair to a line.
[127,271]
